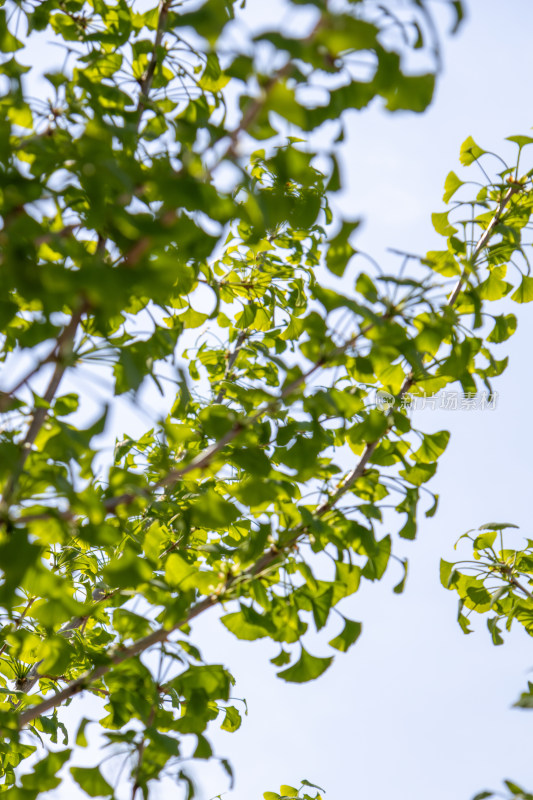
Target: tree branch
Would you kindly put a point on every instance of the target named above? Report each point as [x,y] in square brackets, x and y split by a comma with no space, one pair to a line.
[203,459]
[64,341]
[65,630]
[241,338]
[522,588]
[84,681]
[485,237]
[148,77]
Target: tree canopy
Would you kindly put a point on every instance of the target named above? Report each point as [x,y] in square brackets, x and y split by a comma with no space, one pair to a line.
[168,231]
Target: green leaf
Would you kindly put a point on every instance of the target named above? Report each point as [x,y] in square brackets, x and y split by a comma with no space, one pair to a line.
[67,404]
[365,286]
[288,791]
[192,318]
[442,225]
[8,43]
[370,429]
[212,511]
[282,659]
[485,540]
[213,79]
[492,625]
[493,287]
[443,262]
[432,511]
[321,605]
[252,459]
[504,327]
[412,92]
[241,628]
[350,634]
[81,738]
[419,474]
[398,589]
[470,152]
[305,782]
[524,293]
[91,781]
[44,774]
[433,445]
[348,576]
[377,563]
[340,251]
[464,624]
[307,668]
[183,575]
[517,790]
[451,185]
[447,574]
[526,698]
[497,526]
[130,625]
[521,141]
[232,720]
[21,115]
[127,571]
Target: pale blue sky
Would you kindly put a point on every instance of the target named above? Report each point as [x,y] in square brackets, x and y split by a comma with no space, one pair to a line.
[415,710]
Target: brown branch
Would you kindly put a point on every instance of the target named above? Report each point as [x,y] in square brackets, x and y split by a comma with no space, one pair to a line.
[522,588]
[251,112]
[66,630]
[53,355]
[79,684]
[64,341]
[485,237]
[256,105]
[161,634]
[241,338]
[203,459]
[148,77]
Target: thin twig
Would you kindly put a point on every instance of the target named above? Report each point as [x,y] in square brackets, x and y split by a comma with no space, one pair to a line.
[523,589]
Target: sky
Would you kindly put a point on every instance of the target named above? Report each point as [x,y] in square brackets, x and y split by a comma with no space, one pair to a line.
[416,709]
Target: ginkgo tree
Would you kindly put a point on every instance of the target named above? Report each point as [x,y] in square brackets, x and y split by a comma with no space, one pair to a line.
[167,228]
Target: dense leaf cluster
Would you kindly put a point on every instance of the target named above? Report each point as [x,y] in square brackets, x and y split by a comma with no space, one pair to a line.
[163,234]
